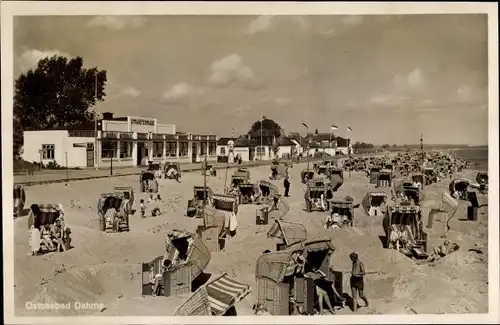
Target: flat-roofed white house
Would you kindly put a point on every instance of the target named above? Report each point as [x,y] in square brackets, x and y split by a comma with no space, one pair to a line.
[120,141]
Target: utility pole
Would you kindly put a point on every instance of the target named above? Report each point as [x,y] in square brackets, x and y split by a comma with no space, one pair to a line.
[204,168]
[96,163]
[66,156]
[111,162]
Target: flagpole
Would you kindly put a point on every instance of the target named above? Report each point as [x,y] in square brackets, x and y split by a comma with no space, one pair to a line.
[349,151]
[303,148]
[261,121]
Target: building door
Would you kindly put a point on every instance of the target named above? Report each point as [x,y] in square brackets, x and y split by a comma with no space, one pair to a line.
[251,153]
[140,152]
[90,154]
[194,152]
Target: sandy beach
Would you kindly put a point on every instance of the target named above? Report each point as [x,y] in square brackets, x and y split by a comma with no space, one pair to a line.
[106,268]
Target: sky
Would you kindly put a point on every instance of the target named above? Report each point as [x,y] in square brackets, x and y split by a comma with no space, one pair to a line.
[390,78]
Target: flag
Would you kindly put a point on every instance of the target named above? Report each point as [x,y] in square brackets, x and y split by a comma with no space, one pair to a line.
[304,124]
[349,129]
[334,127]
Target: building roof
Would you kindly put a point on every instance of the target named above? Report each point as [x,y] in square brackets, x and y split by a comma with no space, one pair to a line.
[224,141]
[342,142]
[284,141]
[243,142]
[297,137]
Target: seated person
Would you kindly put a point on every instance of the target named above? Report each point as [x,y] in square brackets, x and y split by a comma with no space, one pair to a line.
[56,233]
[344,220]
[157,279]
[322,202]
[45,238]
[110,217]
[156,212]
[328,221]
[446,248]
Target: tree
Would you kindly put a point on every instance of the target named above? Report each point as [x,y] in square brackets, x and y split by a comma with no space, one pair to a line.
[59,92]
[268,126]
[316,131]
[386,146]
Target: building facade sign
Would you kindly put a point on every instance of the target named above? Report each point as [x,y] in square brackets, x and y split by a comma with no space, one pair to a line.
[108,134]
[140,121]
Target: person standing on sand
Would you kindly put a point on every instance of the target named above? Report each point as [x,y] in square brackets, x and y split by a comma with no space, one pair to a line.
[357,281]
[286,184]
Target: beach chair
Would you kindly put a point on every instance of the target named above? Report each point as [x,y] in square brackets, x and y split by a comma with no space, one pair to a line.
[123,209]
[217,297]
[41,215]
[374,203]
[288,233]
[200,194]
[404,231]
[306,175]
[148,182]
[172,171]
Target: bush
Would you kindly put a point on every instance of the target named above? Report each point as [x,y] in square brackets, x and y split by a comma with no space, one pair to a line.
[53,165]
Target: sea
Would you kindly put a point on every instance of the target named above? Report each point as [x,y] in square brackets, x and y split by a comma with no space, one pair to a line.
[478,156]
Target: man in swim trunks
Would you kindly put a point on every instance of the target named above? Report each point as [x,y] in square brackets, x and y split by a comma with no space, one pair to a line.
[357,281]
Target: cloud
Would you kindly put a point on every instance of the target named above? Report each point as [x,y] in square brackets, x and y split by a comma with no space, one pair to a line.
[411,81]
[231,70]
[260,24]
[130,92]
[30,57]
[180,91]
[266,23]
[388,100]
[352,20]
[116,22]
[465,93]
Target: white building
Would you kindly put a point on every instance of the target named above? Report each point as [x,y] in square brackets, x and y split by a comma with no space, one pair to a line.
[121,141]
[250,150]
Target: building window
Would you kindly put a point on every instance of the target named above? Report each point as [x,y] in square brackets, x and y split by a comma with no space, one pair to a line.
[158,149]
[222,151]
[183,149]
[48,151]
[171,149]
[81,134]
[203,150]
[125,149]
[109,149]
[260,151]
[212,148]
